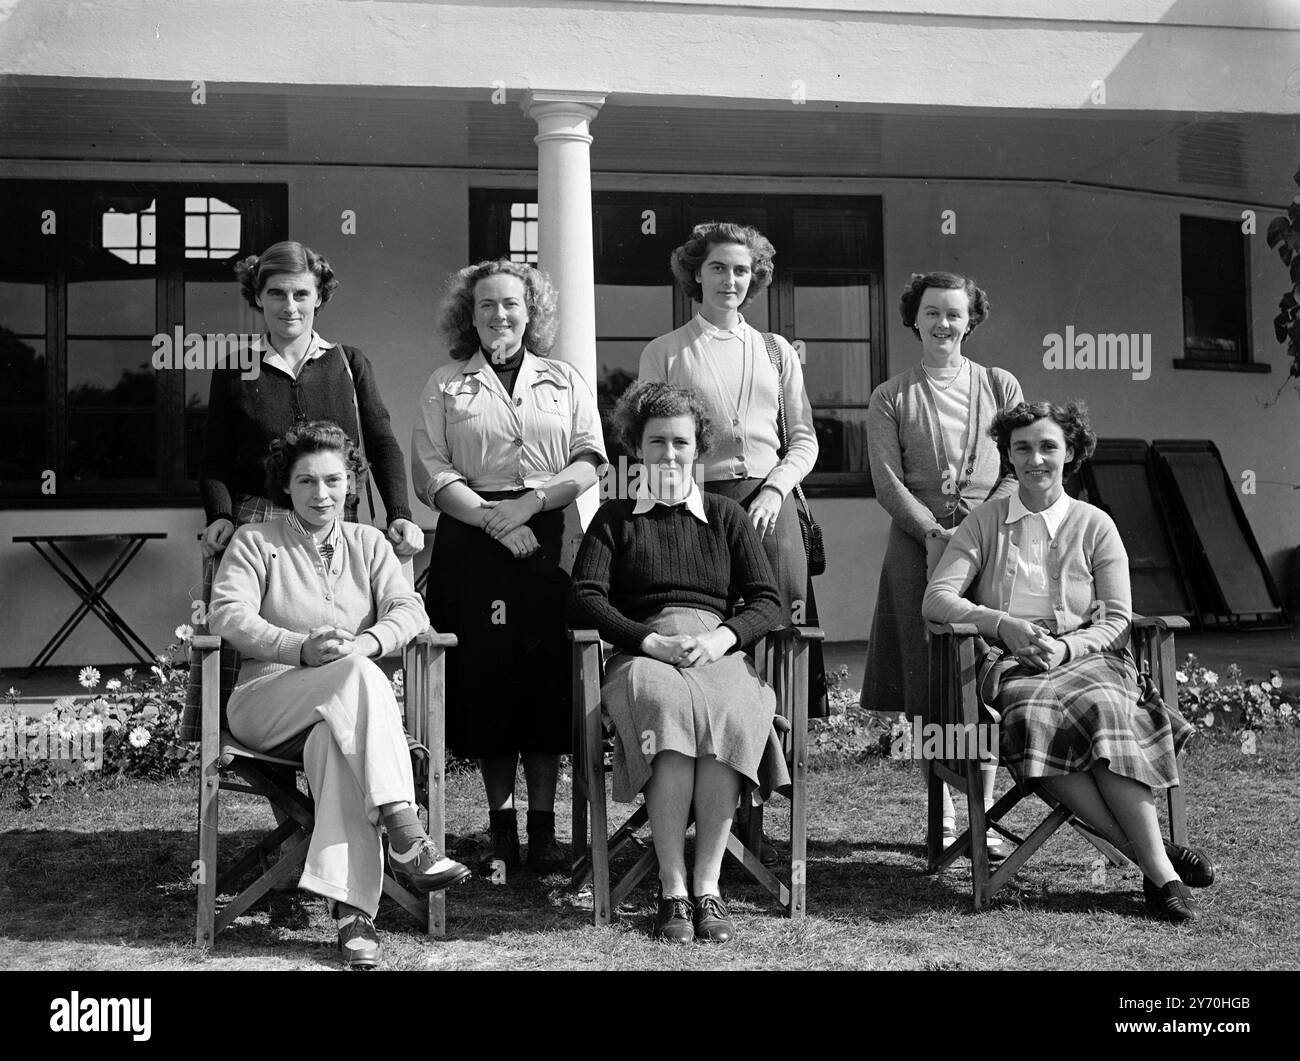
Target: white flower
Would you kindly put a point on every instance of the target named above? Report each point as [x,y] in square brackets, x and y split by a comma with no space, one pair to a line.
[1211,678]
[1180,675]
[184,632]
[50,719]
[94,724]
[139,737]
[129,673]
[13,693]
[113,685]
[1276,680]
[89,764]
[67,730]
[89,677]
[1286,711]
[63,703]
[1208,720]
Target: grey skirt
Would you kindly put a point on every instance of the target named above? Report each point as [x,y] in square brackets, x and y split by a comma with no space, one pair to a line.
[722,709]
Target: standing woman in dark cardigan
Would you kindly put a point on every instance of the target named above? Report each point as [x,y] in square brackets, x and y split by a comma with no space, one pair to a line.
[504,442]
[301,377]
[932,462]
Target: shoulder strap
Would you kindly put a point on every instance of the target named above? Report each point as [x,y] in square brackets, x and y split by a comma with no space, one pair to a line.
[998,393]
[361,433]
[778,363]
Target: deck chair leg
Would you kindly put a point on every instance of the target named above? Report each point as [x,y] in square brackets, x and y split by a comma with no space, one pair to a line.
[209,797]
[1178,815]
[586,679]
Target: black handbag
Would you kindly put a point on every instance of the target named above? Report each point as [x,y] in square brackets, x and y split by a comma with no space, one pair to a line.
[813,545]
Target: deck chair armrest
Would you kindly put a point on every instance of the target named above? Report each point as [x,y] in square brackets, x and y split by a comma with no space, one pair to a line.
[434,639]
[205,643]
[584,637]
[956,629]
[1160,622]
[798,633]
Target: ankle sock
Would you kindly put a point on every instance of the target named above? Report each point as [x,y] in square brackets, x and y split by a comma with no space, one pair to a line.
[404,829]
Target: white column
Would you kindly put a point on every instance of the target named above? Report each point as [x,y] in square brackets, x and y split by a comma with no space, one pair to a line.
[564,216]
[564,239]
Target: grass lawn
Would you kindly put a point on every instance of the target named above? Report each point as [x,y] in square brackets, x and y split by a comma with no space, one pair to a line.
[100,880]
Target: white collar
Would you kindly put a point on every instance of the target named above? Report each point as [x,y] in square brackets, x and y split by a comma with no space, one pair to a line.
[271,356]
[712,331]
[1052,514]
[694,501]
[331,539]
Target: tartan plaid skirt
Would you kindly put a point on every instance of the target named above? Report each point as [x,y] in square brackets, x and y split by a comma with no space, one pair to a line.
[1087,711]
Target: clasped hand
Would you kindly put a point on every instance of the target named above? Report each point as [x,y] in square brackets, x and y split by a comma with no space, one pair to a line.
[506,522]
[1032,644]
[325,644]
[690,650]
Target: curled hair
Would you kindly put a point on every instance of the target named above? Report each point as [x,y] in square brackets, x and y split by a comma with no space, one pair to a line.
[689,258]
[644,401]
[456,320]
[1072,419]
[289,256]
[910,303]
[301,440]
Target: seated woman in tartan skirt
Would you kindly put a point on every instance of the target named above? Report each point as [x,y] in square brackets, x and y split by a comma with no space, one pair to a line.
[656,575]
[1045,578]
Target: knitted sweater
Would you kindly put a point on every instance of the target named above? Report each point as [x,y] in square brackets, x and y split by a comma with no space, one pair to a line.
[245,415]
[273,588]
[631,566]
[907,453]
[1087,568]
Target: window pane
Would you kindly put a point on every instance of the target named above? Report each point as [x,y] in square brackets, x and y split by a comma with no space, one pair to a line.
[22,367]
[225,233]
[837,372]
[829,237]
[625,252]
[842,436]
[196,231]
[111,307]
[22,308]
[1214,289]
[617,360]
[112,372]
[22,445]
[194,423]
[111,445]
[824,309]
[633,310]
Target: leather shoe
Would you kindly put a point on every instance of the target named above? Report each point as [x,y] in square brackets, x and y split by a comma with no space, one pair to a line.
[1192,865]
[1170,902]
[358,941]
[673,920]
[424,870]
[712,925]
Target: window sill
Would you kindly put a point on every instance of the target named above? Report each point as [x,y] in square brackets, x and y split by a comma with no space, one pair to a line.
[1221,366]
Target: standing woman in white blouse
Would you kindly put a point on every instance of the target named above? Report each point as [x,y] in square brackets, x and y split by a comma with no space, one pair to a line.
[504,442]
[932,462]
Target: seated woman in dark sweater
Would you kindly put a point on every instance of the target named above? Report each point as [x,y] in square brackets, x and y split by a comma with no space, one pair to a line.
[693,722]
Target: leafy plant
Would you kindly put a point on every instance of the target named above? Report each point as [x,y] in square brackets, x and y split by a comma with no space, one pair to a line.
[1283,235]
[128,730]
[1234,705]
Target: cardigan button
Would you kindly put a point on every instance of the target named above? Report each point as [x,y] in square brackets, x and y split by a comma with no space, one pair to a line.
[519,442]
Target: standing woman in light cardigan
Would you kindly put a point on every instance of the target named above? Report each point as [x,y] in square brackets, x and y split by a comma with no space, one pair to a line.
[724,267]
[932,462]
[504,442]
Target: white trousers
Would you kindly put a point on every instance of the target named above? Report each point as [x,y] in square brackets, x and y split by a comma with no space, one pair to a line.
[356,759]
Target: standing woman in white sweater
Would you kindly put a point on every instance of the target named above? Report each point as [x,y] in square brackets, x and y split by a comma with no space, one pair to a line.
[309,600]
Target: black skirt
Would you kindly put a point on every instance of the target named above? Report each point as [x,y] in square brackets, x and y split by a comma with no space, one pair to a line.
[508,686]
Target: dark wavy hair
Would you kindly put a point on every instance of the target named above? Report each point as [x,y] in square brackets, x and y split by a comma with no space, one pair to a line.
[301,440]
[689,258]
[289,256]
[1071,418]
[644,401]
[456,320]
[910,303]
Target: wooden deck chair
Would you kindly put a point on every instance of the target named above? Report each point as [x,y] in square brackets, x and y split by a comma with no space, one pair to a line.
[954,701]
[781,659]
[226,765]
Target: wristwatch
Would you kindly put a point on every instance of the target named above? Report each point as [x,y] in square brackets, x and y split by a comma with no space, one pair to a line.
[541,496]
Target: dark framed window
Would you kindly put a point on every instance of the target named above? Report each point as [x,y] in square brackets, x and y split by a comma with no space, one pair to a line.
[1216,296]
[825,298]
[92,274]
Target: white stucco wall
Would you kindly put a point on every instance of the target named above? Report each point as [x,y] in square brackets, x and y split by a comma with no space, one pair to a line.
[1047,54]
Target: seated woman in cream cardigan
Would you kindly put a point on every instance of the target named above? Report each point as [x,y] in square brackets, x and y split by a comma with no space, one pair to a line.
[1045,579]
[309,600]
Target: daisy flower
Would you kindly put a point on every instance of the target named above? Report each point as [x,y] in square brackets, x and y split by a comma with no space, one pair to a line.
[1211,678]
[184,632]
[139,737]
[89,677]
[113,685]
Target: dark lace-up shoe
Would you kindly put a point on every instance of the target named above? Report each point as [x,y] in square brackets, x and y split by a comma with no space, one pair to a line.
[1170,902]
[673,920]
[1192,865]
[712,924]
